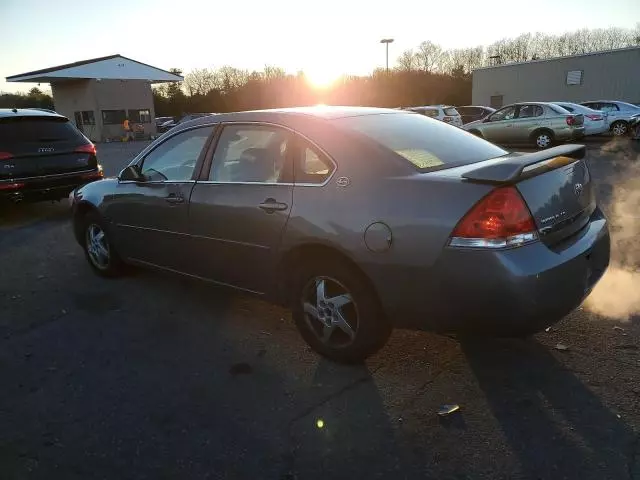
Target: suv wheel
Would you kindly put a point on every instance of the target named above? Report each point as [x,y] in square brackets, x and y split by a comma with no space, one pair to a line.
[619,128]
[337,312]
[98,248]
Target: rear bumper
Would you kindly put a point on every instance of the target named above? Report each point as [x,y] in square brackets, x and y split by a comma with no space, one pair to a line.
[50,187]
[520,290]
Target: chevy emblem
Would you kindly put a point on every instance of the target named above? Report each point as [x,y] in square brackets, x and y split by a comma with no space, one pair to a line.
[577,188]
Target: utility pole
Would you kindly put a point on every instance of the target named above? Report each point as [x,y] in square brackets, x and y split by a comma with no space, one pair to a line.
[386,42]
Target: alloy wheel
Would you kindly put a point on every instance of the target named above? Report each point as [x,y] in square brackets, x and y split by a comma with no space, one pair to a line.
[97,246]
[330,312]
[619,129]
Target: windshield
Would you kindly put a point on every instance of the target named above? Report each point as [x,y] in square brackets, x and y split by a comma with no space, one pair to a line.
[427,144]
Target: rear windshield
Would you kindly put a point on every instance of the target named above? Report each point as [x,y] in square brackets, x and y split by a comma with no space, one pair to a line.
[426,143]
[451,111]
[17,130]
[558,108]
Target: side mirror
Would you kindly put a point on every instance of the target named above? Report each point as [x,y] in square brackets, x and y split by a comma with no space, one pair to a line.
[132,173]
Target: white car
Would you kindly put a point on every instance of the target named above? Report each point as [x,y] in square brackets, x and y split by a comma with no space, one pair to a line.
[595,121]
[444,113]
[619,114]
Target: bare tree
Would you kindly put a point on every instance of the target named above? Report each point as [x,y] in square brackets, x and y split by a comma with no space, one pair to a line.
[200,81]
[428,56]
[407,61]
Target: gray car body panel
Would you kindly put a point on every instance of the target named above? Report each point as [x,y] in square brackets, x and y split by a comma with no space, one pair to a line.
[420,280]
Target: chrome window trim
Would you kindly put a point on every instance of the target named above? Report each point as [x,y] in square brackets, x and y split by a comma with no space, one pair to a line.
[155,182]
[292,130]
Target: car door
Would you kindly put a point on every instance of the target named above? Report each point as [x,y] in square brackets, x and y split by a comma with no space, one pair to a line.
[528,118]
[497,127]
[239,210]
[151,215]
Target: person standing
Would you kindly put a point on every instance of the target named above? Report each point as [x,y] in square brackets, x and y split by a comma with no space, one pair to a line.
[126,126]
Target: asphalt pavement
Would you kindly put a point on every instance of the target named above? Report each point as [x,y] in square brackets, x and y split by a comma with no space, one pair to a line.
[152,376]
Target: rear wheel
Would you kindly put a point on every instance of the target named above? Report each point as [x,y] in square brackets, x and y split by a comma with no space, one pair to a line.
[543,139]
[98,248]
[337,312]
[619,128]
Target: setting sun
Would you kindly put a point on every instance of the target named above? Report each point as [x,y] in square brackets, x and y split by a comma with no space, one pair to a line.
[322,77]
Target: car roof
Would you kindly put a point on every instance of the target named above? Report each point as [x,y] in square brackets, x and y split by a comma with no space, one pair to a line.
[27,112]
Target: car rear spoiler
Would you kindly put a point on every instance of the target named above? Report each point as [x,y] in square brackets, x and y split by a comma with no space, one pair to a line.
[516,167]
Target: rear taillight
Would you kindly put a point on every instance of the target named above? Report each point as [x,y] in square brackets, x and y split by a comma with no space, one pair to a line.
[501,219]
[96,175]
[571,121]
[11,186]
[593,117]
[5,155]
[447,119]
[87,148]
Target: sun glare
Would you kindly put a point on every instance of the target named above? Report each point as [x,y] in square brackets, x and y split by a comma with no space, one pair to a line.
[321,77]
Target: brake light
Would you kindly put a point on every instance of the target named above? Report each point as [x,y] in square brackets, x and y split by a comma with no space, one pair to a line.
[591,116]
[5,155]
[447,119]
[99,173]
[571,121]
[11,186]
[87,148]
[501,219]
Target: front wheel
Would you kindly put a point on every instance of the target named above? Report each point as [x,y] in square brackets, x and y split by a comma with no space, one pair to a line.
[337,312]
[98,248]
[619,128]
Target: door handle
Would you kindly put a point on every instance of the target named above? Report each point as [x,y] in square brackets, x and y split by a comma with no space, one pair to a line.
[173,198]
[270,205]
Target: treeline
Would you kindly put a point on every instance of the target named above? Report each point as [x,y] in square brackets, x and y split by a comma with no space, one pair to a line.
[34,99]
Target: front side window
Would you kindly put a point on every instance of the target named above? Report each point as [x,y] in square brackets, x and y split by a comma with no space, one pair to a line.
[251,154]
[113,117]
[175,159]
[530,111]
[507,113]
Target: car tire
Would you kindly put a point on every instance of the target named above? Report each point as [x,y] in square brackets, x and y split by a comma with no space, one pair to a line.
[619,128]
[98,247]
[542,139]
[337,311]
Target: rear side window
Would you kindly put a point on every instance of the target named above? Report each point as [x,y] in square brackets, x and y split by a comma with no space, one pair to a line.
[426,144]
[18,130]
[559,109]
[451,111]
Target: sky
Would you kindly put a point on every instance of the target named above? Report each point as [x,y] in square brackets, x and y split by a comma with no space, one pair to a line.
[335,36]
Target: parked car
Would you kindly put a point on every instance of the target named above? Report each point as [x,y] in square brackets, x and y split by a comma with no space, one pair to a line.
[444,113]
[164,123]
[471,113]
[538,123]
[595,121]
[619,114]
[43,156]
[360,219]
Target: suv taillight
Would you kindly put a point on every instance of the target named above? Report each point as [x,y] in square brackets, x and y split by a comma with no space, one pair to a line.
[5,155]
[501,219]
[87,148]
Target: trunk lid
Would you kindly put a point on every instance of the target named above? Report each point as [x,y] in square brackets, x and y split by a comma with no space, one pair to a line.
[42,146]
[556,185]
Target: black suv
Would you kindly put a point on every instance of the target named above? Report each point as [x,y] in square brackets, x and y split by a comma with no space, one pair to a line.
[43,156]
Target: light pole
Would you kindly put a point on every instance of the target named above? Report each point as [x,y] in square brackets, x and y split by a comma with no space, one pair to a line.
[387,41]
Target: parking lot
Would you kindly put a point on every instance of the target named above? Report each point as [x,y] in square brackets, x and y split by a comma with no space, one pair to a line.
[152,376]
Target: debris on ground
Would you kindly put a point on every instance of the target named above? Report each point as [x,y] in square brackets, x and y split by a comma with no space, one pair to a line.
[561,347]
[445,410]
[548,329]
[618,329]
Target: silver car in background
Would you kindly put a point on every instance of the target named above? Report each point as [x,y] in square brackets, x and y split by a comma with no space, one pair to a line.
[595,121]
[619,114]
[444,113]
[540,124]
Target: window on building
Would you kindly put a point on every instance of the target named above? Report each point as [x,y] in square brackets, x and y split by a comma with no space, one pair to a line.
[140,116]
[113,117]
[88,118]
[574,77]
[496,101]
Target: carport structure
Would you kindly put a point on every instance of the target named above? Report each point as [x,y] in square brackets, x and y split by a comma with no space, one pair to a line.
[98,94]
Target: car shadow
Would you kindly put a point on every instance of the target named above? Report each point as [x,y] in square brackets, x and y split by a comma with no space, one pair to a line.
[556,426]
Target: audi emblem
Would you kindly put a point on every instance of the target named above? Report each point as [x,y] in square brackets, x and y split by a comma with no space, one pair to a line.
[45,150]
